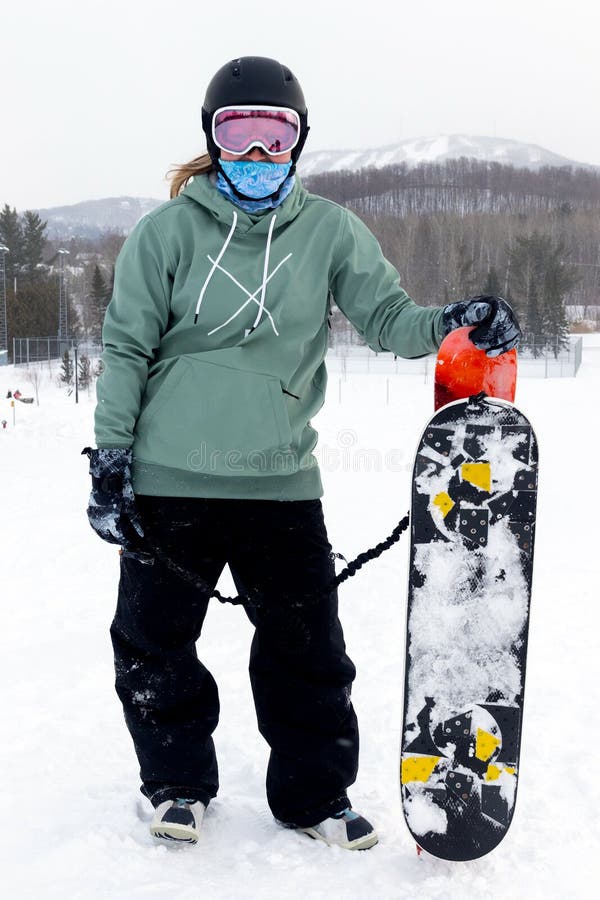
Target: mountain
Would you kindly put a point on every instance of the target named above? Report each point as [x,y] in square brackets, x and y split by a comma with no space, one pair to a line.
[437,148]
[92,217]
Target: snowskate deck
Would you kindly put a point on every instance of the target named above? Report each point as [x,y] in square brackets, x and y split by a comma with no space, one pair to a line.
[472,533]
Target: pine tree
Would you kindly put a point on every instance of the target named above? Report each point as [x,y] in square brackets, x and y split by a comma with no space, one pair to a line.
[540,280]
[560,279]
[84,373]
[97,303]
[110,286]
[66,368]
[11,235]
[34,240]
[34,310]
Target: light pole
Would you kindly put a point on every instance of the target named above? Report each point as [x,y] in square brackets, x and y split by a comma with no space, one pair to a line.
[3,318]
[63,329]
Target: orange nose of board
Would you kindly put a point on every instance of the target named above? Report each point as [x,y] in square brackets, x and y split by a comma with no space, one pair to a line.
[462,370]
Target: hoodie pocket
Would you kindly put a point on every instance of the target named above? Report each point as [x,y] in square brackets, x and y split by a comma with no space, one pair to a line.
[217,420]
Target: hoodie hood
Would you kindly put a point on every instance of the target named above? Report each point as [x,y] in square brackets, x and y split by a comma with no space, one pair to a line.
[203,190]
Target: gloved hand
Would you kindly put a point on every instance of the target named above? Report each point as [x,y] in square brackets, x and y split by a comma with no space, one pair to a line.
[111,509]
[497,327]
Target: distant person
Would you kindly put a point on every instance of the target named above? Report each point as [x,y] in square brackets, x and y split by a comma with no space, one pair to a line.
[215,340]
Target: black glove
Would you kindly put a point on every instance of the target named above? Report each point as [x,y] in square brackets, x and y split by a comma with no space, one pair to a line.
[497,328]
[111,509]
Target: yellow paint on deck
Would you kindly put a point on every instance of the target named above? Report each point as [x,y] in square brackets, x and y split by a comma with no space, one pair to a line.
[494,772]
[485,744]
[444,502]
[479,474]
[418,768]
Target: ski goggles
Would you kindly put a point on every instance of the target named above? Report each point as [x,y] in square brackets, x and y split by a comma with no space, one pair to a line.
[236,129]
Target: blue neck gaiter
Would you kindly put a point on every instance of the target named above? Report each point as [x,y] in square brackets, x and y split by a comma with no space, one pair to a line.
[256,179]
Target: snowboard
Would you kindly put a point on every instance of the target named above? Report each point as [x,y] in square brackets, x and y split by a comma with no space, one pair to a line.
[472,539]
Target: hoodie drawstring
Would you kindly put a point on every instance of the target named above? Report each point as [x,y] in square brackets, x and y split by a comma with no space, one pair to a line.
[215,264]
[263,290]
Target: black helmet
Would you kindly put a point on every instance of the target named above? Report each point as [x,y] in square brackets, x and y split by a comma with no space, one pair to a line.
[254,79]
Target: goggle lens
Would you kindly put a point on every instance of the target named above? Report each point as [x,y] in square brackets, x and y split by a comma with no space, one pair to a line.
[238,129]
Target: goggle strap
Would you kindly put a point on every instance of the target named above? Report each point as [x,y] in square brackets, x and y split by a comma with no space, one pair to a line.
[299,146]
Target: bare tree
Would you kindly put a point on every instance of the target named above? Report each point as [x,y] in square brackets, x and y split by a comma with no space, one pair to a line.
[34,377]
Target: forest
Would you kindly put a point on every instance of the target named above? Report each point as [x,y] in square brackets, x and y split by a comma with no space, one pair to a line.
[465,227]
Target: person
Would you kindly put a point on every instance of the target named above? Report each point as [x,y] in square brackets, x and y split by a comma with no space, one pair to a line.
[214,364]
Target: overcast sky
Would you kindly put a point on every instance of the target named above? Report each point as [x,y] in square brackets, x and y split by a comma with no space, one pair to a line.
[101,97]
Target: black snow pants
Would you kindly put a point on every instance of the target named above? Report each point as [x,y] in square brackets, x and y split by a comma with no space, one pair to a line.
[301,677]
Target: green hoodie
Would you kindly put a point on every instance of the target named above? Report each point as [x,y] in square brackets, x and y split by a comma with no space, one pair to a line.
[216,335]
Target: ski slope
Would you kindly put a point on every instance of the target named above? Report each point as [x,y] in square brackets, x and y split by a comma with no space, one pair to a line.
[73,823]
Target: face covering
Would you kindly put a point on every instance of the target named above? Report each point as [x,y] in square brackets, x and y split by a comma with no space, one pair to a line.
[256,179]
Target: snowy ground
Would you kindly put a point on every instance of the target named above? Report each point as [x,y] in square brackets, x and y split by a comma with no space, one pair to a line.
[73,826]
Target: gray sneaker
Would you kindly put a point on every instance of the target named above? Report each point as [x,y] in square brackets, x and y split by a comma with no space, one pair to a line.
[345,829]
[178,821]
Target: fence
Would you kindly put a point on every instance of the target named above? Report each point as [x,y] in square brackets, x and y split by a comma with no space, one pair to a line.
[560,362]
[41,349]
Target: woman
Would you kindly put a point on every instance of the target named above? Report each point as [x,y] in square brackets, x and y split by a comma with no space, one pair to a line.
[215,340]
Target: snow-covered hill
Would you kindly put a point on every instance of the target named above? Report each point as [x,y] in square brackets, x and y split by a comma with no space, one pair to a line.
[437,148]
[74,826]
[91,217]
